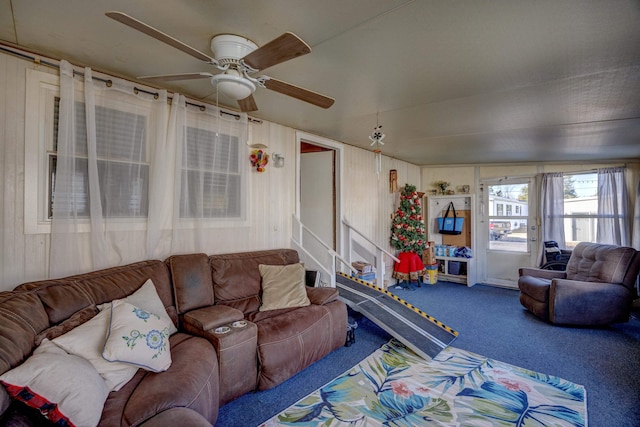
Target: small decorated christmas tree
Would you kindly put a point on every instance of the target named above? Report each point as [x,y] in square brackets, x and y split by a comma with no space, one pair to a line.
[407,227]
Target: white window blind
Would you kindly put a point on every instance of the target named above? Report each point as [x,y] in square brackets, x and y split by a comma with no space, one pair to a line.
[123,168]
[211,169]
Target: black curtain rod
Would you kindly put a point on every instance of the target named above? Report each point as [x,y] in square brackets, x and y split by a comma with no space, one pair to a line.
[109,82]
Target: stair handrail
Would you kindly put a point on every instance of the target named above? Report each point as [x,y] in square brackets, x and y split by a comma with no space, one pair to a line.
[330,251]
[379,255]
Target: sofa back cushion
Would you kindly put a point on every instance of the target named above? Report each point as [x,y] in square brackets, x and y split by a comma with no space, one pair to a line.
[236,277]
[594,262]
[35,310]
[64,297]
[191,278]
[46,308]
[22,317]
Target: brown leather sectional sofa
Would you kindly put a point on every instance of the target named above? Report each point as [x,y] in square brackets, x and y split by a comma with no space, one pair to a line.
[225,346]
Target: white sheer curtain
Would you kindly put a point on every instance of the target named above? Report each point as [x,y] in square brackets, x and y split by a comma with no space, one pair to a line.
[135,180]
[161,186]
[210,186]
[552,209]
[68,205]
[101,179]
[613,208]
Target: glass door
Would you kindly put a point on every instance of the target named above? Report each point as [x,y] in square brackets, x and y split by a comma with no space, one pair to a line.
[508,228]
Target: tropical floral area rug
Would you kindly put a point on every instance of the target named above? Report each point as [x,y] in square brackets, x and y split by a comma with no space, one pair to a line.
[395,387]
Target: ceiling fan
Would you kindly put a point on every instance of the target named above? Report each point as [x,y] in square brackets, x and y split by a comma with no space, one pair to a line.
[239,59]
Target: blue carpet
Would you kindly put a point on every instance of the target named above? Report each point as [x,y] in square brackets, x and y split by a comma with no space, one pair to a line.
[491,322]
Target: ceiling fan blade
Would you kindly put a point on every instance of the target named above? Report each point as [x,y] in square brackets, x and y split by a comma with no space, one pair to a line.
[280,49]
[299,93]
[171,77]
[248,104]
[157,34]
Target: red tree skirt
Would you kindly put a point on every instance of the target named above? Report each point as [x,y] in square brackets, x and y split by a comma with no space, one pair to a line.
[410,267]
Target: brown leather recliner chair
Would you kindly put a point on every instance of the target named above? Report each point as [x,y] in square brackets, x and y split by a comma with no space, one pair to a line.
[597,288]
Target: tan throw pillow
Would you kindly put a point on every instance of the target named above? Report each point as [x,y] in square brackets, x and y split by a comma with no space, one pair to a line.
[283,286]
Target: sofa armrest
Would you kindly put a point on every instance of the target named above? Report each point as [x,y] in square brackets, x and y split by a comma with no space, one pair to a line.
[542,274]
[573,302]
[206,318]
[322,296]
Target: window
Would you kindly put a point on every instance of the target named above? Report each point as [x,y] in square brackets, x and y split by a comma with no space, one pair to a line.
[508,211]
[211,169]
[124,184]
[580,208]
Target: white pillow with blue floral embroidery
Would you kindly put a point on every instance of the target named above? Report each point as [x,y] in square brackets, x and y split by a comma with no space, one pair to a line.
[137,337]
[146,298]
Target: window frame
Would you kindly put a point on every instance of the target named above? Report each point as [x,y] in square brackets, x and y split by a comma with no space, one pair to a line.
[243,219]
[234,172]
[592,217]
[41,90]
[515,218]
[103,161]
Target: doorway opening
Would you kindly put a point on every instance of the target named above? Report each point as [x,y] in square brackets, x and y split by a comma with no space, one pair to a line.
[318,191]
[508,228]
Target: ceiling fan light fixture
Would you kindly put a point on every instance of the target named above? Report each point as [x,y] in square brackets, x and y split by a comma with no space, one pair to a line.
[231,48]
[232,85]
[238,58]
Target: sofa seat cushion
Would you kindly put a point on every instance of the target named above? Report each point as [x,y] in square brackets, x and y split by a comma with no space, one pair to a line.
[289,340]
[190,382]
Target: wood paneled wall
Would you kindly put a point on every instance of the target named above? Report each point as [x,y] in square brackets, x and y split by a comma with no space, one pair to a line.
[22,257]
[368,202]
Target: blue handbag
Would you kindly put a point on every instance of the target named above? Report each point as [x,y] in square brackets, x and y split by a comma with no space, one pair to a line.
[450,225]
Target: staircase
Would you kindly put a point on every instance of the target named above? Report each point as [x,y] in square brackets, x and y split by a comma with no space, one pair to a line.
[318,255]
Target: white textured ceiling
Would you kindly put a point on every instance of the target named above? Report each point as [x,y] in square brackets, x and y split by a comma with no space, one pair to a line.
[452,82]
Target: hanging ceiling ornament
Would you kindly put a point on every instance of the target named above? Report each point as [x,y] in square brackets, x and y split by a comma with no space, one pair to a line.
[376,142]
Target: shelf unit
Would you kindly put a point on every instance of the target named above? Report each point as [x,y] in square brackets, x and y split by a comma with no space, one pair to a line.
[466,267]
